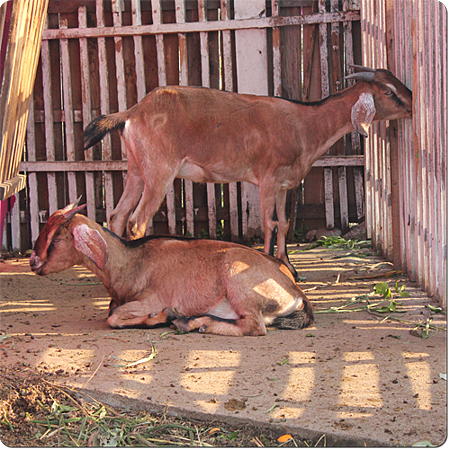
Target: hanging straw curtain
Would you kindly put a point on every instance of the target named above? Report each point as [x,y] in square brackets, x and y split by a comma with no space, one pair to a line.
[17,81]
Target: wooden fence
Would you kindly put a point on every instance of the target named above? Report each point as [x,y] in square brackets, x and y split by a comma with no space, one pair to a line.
[102,56]
[406,162]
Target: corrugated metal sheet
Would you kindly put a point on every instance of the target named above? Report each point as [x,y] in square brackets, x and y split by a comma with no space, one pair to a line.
[406,162]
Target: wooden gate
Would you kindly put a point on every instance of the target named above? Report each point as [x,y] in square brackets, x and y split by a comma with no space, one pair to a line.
[102,56]
[406,162]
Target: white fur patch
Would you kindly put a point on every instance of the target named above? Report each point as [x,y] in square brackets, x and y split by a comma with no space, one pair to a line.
[363,112]
[224,311]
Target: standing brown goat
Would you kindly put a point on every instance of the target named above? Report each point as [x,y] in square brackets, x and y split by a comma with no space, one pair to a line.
[216,287]
[206,135]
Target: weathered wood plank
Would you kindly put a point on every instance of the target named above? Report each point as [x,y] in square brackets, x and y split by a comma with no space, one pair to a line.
[138,50]
[32,178]
[227,68]
[252,78]
[81,166]
[49,123]
[87,108]
[204,56]
[180,12]
[162,81]
[196,27]
[105,108]
[68,112]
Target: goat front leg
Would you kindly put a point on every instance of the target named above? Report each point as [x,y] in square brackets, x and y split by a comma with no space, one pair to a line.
[129,199]
[267,202]
[152,197]
[276,224]
[137,315]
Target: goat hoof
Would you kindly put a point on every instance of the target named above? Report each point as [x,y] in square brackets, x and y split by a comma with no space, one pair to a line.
[202,329]
[172,314]
[133,231]
[181,325]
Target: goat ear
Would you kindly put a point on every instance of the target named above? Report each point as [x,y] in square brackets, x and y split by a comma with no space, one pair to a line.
[363,112]
[91,243]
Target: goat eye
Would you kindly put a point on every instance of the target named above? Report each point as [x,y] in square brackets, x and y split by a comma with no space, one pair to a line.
[56,240]
[388,93]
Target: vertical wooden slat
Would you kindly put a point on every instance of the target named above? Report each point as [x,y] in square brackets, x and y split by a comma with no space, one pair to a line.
[117,6]
[441,154]
[276,44]
[355,137]
[32,178]
[339,146]
[418,146]
[162,81]
[136,16]
[16,231]
[251,66]
[411,213]
[204,55]
[394,143]
[86,110]
[49,125]
[325,77]
[105,109]
[433,144]
[68,112]
[227,64]
[180,10]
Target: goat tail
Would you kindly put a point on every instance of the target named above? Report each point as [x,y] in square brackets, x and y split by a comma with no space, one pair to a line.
[102,125]
[302,318]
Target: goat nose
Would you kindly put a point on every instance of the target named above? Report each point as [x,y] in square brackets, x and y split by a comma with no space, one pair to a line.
[35,261]
[33,258]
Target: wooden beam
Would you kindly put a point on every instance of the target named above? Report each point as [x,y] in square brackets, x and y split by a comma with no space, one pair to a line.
[12,186]
[195,27]
[107,166]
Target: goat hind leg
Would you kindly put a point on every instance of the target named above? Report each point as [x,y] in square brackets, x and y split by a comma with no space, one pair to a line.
[250,325]
[282,230]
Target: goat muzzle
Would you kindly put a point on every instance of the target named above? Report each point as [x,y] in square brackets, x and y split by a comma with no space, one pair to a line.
[36,263]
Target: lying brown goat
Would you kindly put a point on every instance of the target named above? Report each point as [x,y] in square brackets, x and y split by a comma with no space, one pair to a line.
[206,135]
[216,287]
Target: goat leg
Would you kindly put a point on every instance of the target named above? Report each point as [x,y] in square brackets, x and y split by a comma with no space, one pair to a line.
[252,324]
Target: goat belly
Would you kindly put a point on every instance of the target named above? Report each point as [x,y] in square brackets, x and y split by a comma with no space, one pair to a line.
[223,311]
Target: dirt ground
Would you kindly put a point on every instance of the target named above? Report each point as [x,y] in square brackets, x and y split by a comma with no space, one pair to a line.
[360,377]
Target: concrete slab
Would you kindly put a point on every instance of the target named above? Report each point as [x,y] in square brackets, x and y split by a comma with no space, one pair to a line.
[357,378]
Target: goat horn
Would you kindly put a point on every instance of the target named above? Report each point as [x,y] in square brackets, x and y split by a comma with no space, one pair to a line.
[362,68]
[71,206]
[365,76]
[70,210]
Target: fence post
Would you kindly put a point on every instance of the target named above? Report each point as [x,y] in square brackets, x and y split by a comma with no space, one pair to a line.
[252,78]
[393,142]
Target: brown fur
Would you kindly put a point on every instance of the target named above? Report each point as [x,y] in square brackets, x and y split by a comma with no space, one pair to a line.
[217,287]
[206,135]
